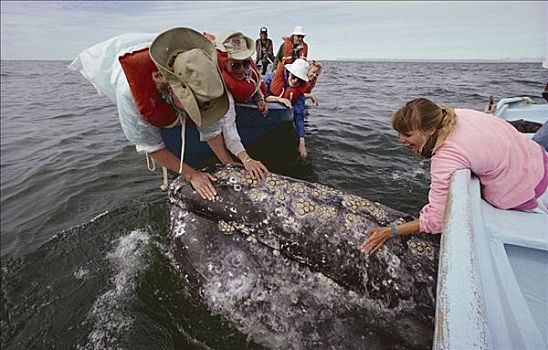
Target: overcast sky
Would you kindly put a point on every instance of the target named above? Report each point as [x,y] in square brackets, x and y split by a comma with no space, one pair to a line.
[335,30]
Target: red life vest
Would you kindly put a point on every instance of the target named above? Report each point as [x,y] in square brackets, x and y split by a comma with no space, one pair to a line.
[278,86]
[311,84]
[241,89]
[288,50]
[138,68]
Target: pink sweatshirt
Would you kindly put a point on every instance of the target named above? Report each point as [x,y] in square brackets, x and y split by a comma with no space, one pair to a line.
[508,164]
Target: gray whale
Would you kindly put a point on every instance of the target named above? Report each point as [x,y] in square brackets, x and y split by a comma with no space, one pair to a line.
[280,260]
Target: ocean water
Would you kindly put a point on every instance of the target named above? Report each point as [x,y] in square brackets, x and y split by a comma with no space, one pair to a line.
[85,242]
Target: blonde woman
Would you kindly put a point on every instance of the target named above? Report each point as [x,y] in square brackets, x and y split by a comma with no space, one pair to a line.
[512,169]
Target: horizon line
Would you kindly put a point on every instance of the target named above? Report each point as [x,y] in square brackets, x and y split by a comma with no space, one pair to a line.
[380,59]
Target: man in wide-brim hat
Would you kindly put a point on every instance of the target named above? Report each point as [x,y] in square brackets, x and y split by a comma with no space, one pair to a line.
[161,84]
[241,77]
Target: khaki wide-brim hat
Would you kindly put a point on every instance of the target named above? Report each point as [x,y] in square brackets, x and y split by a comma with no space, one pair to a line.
[236,45]
[188,60]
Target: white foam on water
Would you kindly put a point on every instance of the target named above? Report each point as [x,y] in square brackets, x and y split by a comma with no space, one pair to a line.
[109,314]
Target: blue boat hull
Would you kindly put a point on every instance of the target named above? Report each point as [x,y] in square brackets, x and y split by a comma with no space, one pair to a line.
[250,123]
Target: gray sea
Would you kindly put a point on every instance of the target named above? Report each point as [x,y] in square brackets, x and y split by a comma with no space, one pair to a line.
[85,241]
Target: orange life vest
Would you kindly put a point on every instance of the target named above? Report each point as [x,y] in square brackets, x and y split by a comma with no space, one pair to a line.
[278,86]
[288,50]
[241,89]
[138,68]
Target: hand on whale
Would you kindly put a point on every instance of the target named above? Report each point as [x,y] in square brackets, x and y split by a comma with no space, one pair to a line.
[202,182]
[379,235]
[288,246]
[256,168]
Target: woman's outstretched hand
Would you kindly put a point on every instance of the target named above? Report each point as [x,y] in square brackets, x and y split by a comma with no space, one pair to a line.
[277,99]
[202,183]
[378,235]
[302,148]
[285,102]
[314,100]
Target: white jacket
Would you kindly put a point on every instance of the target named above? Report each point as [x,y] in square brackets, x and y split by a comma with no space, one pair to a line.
[99,64]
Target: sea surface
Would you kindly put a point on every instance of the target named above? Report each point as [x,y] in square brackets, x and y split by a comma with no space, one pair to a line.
[85,241]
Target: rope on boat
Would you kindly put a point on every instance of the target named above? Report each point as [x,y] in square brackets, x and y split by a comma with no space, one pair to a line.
[165,182]
[151,164]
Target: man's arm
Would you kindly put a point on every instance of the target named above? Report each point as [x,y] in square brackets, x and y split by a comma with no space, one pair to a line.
[270,50]
[257,50]
[217,145]
[278,57]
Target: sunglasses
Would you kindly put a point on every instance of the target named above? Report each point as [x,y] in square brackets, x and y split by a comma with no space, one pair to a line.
[300,36]
[238,64]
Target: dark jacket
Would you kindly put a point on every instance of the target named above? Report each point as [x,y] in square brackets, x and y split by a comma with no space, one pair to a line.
[264,51]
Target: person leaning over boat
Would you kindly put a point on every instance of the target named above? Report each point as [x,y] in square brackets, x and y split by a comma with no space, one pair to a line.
[129,68]
[293,47]
[241,77]
[265,50]
[313,73]
[287,86]
[512,169]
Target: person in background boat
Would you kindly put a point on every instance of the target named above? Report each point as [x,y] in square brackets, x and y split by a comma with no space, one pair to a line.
[541,136]
[512,169]
[287,86]
[241,77]
[265,50]
[172,80]
[313,73]
[293,47]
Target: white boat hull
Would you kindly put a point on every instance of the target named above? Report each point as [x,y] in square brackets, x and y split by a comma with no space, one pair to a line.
[493,274]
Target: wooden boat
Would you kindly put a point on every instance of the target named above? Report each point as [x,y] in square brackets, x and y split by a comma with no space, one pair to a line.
[251,125]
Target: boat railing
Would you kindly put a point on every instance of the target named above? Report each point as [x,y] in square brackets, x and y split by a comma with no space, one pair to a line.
[493,274]
[459,320]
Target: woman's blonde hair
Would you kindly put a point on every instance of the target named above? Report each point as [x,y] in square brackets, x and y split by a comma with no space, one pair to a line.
[424,115]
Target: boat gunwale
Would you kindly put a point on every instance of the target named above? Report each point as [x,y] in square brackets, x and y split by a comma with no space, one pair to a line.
[475,265]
